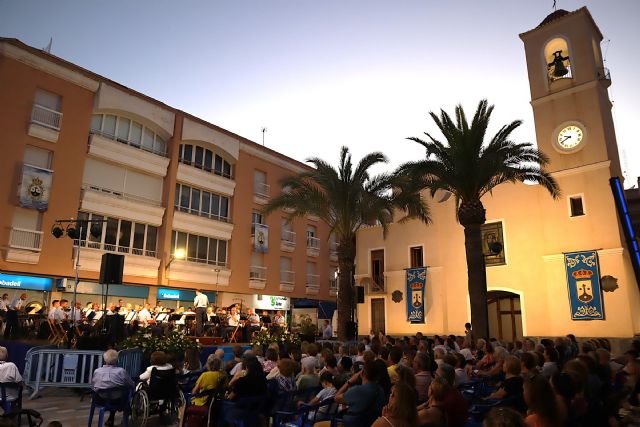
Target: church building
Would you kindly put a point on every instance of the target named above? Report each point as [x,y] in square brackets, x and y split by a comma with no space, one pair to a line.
[553,267]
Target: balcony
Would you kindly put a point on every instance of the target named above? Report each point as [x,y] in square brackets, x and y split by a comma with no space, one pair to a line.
[604,76]
[24,246]
[45,123]
[333,287]
[117,204]
[199,272]
[313,246]
[287,241]
[261,193]
[203,224]
[287,280]
[257,277]
[137,262]
[377,284]
[313,284]
[208,181]
[128,154]
[333,251]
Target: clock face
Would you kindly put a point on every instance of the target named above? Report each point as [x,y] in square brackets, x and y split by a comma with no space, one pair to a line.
[570,137]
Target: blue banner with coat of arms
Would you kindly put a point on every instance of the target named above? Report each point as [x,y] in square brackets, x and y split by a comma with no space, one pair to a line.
[583,281]
[416,282]
[35,187]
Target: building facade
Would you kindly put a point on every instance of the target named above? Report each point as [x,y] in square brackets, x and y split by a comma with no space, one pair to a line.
[527,234]
[178,196]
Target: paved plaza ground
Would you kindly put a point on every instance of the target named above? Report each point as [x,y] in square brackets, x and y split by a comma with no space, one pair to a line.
[65,405]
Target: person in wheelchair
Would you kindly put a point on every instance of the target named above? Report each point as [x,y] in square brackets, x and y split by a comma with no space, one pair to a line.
[157,392]
[159,361]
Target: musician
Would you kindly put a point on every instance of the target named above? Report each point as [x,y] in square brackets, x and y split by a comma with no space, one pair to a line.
[278,323]
[200,302]
[144,315]
[76,313]
[253,321]
[233,320]
[122,308]
[87,309]
[55,304]
[265,319]
[91,314]
[112,309]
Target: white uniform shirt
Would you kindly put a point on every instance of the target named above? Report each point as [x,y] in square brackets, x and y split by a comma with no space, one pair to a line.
[144,316]
[59,314]
[201,301]
[16,304]
[52,313]
[9,374]
[234,319]
[3,304]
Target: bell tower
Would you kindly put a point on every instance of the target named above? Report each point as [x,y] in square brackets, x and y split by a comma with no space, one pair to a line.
[568,83]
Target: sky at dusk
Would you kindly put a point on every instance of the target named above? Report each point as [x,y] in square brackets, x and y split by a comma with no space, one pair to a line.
[322,74]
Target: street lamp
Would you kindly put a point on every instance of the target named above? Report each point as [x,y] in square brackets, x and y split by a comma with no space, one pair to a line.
[178,254]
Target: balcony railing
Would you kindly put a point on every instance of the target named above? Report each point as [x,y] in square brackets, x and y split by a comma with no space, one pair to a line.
[257,272]
[312,280]
[201,213]
[120,195]
[46,117]
[261,189]
[287,276]
[160,152]
[22,238]
[313,243]
[378,283]
[288,237]
[603,73]
[114,248]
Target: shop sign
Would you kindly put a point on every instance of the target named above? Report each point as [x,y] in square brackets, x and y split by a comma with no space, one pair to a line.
[173,294]
[182,295]
[270,302]
[26,282]
[583,281]
[416,282]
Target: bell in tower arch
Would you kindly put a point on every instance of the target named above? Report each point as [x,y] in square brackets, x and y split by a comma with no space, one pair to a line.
[557,67]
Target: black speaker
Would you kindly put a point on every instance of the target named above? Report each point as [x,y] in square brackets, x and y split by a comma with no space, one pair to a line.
[111,268]
[360,294]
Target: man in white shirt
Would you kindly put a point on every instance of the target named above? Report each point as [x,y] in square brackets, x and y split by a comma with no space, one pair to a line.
[52,311]
[144,315]
[11,331]
[200,303]
[327,331]
[9,373]
[233,320]
[254,324]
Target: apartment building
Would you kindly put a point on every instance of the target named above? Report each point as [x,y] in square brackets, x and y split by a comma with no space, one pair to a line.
[181,198]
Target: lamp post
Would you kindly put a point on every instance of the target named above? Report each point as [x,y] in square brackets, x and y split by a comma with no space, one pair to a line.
[217,270]
[73,230]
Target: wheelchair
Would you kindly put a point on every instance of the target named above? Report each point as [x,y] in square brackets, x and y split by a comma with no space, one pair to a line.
[162,396]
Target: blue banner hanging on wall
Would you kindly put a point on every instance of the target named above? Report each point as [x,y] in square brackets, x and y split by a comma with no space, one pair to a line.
[416,281]
[583,281]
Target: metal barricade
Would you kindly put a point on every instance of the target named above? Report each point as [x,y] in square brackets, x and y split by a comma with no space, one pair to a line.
[52,367]
[131,361]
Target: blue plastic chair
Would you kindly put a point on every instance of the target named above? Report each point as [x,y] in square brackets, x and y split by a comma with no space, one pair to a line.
[11,406]
[244,411]
[117,399]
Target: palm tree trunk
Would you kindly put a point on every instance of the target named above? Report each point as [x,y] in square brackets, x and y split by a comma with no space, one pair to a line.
[477,280]
[345,297]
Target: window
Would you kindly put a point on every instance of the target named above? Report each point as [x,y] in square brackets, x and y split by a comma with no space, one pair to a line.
[312,241]
[38,157]
[204,159]
[260,186]
[493,243]
[202,203]
[257,218]
[286,273]
[46,110]
[416,256]
[128,132]
[200,249]
[120,235]
[377,270]
[576,206]
[312,277]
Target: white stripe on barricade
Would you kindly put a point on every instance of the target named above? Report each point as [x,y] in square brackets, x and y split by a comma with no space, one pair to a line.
[53,367]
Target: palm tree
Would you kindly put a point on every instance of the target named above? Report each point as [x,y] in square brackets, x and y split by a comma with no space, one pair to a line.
[469,168]
[347,199]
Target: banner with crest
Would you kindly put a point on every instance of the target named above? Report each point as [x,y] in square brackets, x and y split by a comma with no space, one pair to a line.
[35,187]
[261,238]
[416,282]
[583,281]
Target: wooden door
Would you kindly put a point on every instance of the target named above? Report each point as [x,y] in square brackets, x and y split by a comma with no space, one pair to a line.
[377,315]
